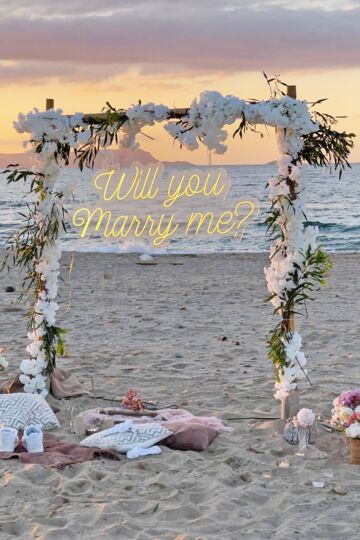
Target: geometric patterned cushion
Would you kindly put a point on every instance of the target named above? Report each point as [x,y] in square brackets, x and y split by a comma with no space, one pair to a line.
[20,410]
[146,435]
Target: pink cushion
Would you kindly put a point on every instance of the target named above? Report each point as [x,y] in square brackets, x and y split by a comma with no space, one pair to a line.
[189,436]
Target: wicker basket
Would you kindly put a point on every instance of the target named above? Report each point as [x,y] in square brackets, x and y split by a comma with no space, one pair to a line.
[354,451]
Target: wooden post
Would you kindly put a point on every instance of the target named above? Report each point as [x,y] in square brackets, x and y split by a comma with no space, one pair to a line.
[49,103]
[41,284]
[290,405]
[291,91]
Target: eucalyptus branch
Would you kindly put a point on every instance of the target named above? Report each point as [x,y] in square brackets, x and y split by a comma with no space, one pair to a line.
[103,132]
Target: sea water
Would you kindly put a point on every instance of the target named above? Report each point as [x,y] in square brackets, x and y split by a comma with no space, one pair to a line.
[331,204]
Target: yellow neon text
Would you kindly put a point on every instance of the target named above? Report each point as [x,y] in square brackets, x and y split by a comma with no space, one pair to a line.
[192,186]
[139,189]
[159,230]
[214,225]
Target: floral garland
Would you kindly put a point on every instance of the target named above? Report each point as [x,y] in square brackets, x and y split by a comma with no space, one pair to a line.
[297,264]
[37,247]
[139,116]
[207,117]
[292,247]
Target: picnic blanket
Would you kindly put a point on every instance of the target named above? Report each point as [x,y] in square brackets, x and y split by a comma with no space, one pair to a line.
[58,454]
[63,384]
[93,417]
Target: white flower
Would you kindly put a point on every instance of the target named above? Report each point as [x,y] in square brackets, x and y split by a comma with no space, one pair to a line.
[345,413]
[28,366]
[24,379]
[140,116]
[34,348]
[300,358]
[284,386]
[39,381]
[54,124]
[353,430]
[32,375]
[305,417]
[29,387]
[83,137]
[3,363]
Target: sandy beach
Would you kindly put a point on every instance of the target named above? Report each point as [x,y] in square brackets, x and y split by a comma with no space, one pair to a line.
[160,329]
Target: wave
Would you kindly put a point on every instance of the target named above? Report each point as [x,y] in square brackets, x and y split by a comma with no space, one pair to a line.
[321,225]
[127,247]
[339,226]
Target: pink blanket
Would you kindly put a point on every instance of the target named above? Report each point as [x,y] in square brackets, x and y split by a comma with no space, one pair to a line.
[93,417]
[57,454]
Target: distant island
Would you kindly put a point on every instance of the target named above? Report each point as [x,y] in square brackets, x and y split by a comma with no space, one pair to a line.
[273,162]
[122,158]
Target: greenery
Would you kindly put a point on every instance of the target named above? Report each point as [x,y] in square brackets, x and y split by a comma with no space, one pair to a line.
[103,132]
[307,278]
[25,247]
[325,147]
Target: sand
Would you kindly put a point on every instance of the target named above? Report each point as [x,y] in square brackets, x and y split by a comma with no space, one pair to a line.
[127,328]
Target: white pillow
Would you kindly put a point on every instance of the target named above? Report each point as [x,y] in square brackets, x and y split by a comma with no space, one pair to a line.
[144,436]
[20,410]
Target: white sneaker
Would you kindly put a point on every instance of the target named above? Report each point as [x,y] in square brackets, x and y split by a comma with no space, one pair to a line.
[33,439]
[8,439]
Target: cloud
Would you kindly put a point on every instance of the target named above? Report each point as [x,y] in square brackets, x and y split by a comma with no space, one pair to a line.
[52,9]
[39,72]
[96,39]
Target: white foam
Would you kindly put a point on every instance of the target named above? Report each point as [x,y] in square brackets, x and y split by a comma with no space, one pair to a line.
[127,247]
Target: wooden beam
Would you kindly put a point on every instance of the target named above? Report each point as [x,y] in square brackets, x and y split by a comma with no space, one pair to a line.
[177,113]
[97,118]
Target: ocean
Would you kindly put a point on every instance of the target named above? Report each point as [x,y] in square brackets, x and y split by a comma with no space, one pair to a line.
[331,204]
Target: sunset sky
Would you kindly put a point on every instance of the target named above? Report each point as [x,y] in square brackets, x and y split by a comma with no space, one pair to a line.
[85,52]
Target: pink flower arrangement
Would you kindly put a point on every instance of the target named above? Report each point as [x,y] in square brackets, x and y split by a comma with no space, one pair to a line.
[353,428]
[355,417]
[346,409]
[132,401]
[350,398]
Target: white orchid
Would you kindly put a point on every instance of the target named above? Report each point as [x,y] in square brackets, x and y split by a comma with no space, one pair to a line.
[4,364]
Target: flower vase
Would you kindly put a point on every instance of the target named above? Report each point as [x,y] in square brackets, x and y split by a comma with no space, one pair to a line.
[304,439]
[290,405]
[354,444]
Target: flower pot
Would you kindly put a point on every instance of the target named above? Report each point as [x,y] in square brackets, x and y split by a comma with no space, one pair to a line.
[354,451]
